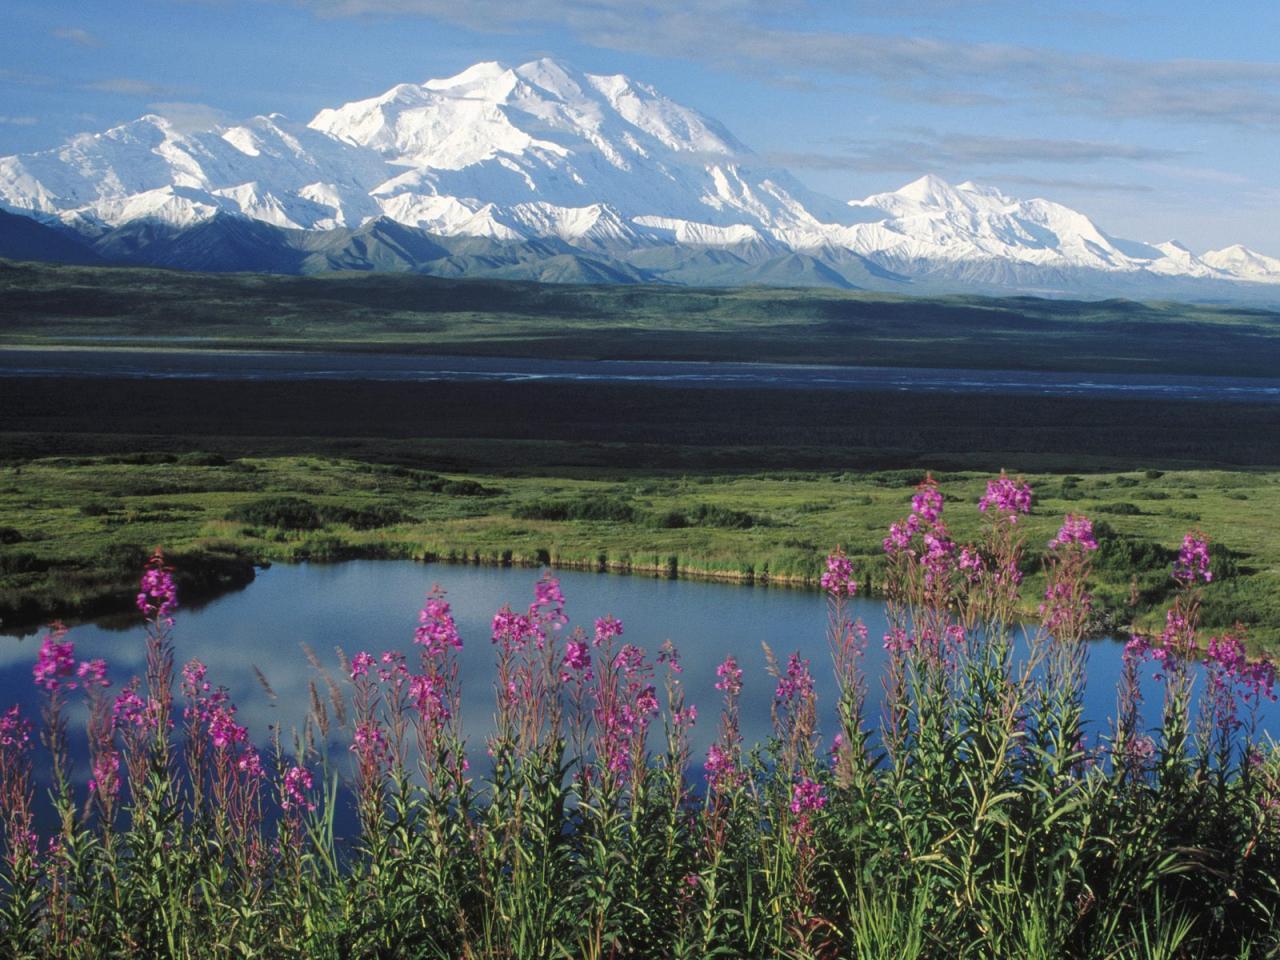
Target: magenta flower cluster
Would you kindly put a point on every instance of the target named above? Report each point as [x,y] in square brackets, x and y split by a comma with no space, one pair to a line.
[15,730]
[838,579]
[295,794]
[729,677]
[796,683]
[158,594]
[436,631]
[1257,678]
[1193,560]
[720,769]
[807,797]
[56,666]
[130,711]
[927,501]
[1075,530]
[1007,497]
[361,663]
[576,663]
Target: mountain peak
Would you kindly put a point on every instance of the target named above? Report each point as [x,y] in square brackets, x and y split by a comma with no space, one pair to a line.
[482,72]
[546,151]
[930,190]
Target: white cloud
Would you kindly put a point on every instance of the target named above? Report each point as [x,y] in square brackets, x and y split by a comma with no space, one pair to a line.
[190,117]
[129,86]
[19,121]
[744,36]
[929,149]
[77,35]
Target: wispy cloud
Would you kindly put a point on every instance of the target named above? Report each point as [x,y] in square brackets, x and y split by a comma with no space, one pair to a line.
[744,36]
[19,121]
[77,35]
[23,79]
[1082,186]
[931,150]
[129,86]
[190,117]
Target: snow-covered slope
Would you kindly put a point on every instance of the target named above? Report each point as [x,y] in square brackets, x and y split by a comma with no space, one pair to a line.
[603,163]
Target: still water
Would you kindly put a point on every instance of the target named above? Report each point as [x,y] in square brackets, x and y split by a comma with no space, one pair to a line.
[372,605]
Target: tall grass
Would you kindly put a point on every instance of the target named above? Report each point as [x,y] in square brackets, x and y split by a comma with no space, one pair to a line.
[969,818]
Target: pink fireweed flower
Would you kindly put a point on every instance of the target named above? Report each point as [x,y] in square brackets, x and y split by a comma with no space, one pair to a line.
[1064,605]
[796,683]
[807,796]
[1227,654]
[1193,560]
[297,784]
[898,642]
[729,676]
[1006,497]
[576,662]
[158,594]
[193,679]
[838,580]
[93,673]
[250,763]
[685,718]
[430,696]
[130,710]
[547,608]
[1075,529]
[670,655]
[361,663]
[224,732]
[606,629]
[938,559]
[393,666]
[511,630]
[971,564]
[56,661]
[437,632]
[1137,648]
[106,775]
[14,729]
[927,502]
[720,768]
[369,743]
[1259,677]
[899,538]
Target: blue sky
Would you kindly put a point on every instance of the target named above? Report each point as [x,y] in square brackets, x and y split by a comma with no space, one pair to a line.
[1159,120]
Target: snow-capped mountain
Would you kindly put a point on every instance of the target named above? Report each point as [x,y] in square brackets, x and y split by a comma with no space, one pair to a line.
[608,171]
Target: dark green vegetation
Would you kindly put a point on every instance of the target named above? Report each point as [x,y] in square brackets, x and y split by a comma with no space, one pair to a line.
[74,528]
[57,304]
[976,815]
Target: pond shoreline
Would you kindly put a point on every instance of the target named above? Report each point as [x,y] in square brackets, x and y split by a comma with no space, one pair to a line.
[29,616]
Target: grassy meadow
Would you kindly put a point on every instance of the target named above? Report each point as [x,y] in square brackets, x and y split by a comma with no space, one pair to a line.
[75,528]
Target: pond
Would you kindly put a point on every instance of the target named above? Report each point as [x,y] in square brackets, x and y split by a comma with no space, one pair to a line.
[373,605]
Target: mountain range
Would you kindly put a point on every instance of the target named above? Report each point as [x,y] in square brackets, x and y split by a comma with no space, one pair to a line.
[543,172]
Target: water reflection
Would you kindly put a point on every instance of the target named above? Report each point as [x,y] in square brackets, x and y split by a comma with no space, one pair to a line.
[372,605]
